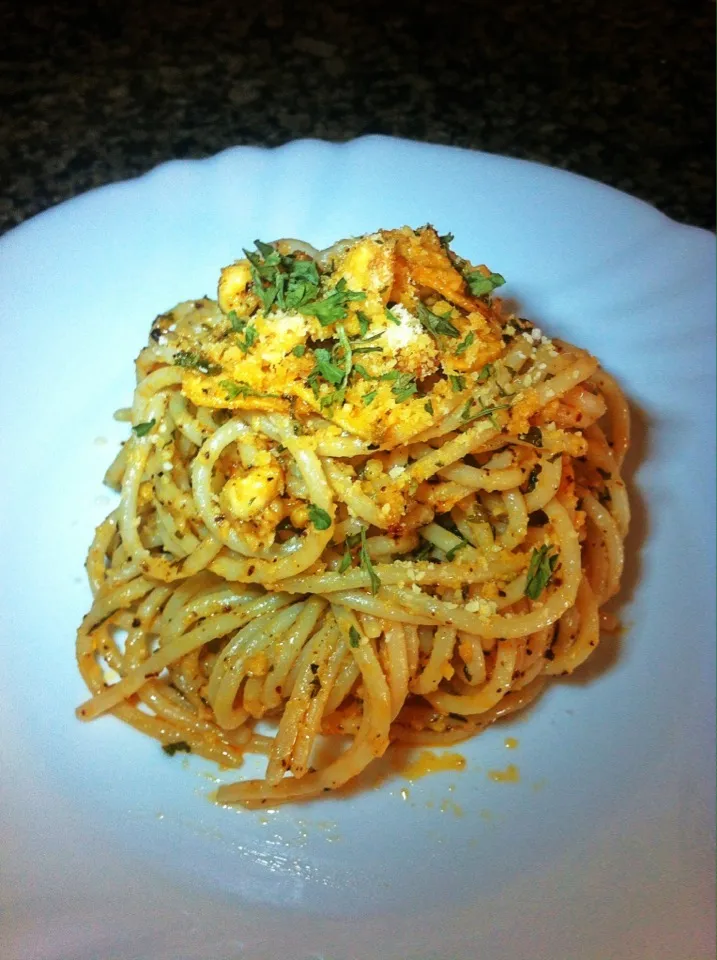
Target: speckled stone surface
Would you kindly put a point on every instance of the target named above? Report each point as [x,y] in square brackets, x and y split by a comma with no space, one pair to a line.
[619,91]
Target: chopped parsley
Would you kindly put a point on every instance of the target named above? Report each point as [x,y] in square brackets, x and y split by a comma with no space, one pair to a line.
[451,554]
[428,407]
[325,368]
[482,286]
[237,388]
[367,565]
[465,343]
[534,436]
[142,429]
[354,636]
[369,397]
[178,746]
[288,281]
[320,518]
[468,417]
[540,570]
[187,358]
[446,240]
[533,478]
[404,387]
[242,325]
[424,551]
[457,383]
[391,317]
[332,307]
[362,372]
[345,561]
[485,372]
[435,325]
[299,350]
[363,321]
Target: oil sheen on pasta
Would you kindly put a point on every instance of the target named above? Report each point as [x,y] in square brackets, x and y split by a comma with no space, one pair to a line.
[358,500]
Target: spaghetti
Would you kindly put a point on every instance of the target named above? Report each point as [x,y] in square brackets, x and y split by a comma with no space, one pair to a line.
[360,501]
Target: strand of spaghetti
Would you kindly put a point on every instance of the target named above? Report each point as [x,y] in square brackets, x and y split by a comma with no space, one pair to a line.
[517,515]
[495,688]
[479,570]
[345,682]
[161,658]
[230,671]
[136,646]
[370,741]
[113,474]
[205,498]
[567,657]
[473,438]
[333,652]
[513,701]
[281,755]
[397,664]
[582,367]
[481,478]
[618,412]
[441,652]
[411,634]
[613,544]
[189,426]
[546,483]
[95,563]
[350,493]
[148,388]
[291,645]
[470,651]
[122,596]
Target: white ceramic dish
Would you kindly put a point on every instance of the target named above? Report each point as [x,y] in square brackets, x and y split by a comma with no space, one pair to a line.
[604,849]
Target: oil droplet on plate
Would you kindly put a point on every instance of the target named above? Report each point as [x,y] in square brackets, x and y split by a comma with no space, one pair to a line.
[511,774]
[429,762]
[511,743]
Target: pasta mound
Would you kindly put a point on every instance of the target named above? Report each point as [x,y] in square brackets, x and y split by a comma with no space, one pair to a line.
[360,500]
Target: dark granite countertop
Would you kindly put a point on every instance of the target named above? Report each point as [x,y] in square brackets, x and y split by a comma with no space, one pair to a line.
[619,91]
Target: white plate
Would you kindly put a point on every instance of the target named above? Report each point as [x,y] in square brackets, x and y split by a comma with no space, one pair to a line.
[604,849]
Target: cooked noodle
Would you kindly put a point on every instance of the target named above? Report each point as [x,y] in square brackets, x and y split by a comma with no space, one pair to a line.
[359,501]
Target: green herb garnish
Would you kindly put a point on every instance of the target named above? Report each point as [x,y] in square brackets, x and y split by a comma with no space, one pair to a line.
[363,321]
[485,372]
[480,285]
[345,561]
[354,636]
[142,429]
[457,383]
[288,281]
[540,570]
[404,387]
[320,518]
[332,307]
[187,358]
[299,350]
[534,436]
[369,397]
[428,407]
[435,325]
[391,317]
[467,416]
[367,565]
[237,388]
[451,554]
[465,343]
[533,478]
